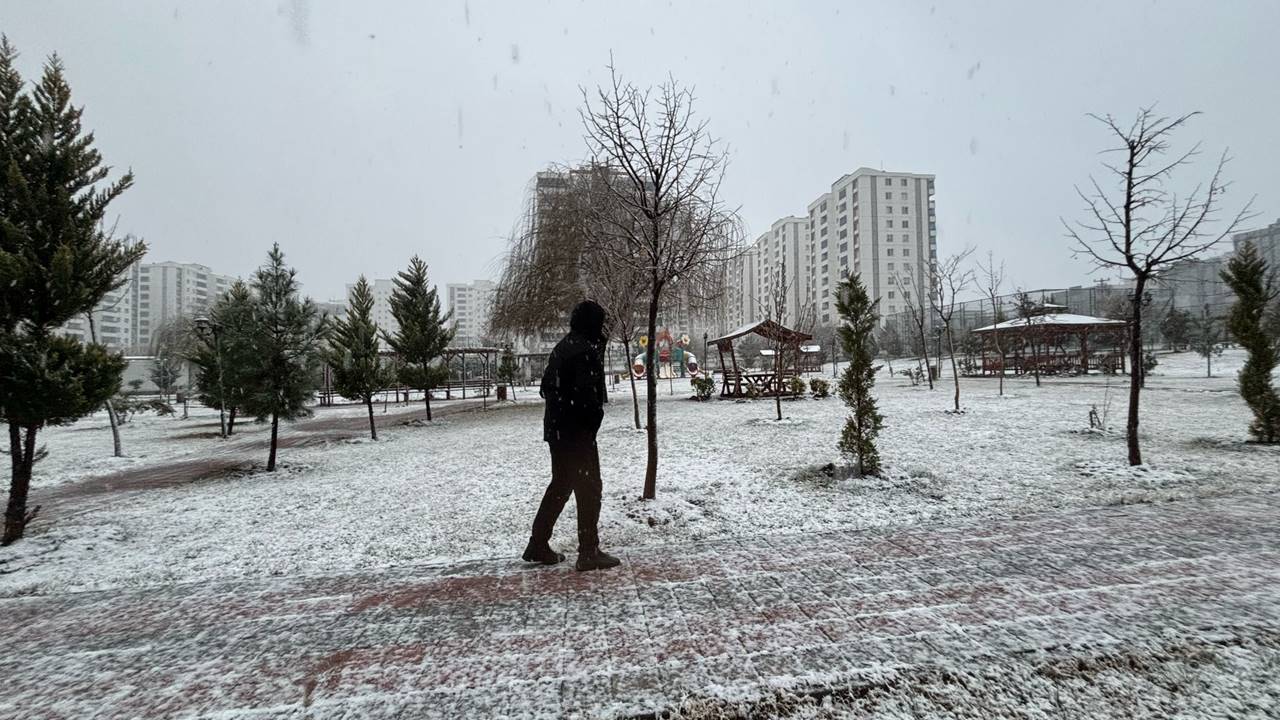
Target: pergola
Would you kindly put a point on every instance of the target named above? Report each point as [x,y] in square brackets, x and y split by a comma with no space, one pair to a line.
[737,383]
[1055,343]
[484,383]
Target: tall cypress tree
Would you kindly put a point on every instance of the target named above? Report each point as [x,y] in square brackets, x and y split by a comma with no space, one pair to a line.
[56,263]
[287,343]
[358,370]
[424,333]
[1256,292]
[859,316]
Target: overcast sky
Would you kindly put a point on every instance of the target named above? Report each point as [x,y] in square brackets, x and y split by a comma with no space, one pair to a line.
[358,134]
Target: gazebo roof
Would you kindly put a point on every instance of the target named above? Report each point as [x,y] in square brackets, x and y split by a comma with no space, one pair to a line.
[767,329]
[1054,321]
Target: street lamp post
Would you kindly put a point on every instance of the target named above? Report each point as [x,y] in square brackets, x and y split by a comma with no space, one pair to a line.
[706,359]
[209,328]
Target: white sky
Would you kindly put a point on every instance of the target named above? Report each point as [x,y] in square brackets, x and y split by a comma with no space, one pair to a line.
[358,134]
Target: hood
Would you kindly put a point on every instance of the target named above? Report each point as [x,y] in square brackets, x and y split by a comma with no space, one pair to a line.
[588,319]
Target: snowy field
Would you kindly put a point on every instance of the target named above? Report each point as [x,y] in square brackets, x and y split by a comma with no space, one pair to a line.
[467,485]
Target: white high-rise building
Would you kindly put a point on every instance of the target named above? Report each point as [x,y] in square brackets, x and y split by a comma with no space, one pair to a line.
[167,290]
[470,304]
[153,294]
[754,276]
[880,226]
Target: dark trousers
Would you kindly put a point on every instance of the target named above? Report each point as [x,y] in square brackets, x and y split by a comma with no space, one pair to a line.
[575,469]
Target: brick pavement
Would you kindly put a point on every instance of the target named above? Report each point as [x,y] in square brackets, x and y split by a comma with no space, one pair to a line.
[731,618]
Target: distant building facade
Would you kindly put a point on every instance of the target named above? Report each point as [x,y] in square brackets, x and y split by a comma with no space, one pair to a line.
[470,304]
[152,295]
[1266,239]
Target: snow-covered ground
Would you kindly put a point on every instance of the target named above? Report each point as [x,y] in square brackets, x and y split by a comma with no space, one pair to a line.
[467,485]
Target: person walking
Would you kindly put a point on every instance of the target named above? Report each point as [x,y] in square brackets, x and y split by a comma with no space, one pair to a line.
[574,389]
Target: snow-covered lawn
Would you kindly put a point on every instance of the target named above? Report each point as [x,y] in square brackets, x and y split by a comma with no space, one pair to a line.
[467,485]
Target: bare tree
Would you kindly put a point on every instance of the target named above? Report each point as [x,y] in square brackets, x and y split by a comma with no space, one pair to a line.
[950,278]
[776,307]
[1030,314]
[621,291]
[1141,226]
[661,172]
[991,278]
[917,314]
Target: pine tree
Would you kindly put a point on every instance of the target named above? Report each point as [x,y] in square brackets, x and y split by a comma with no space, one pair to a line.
[859,317]
[1176,329]
[508,369]
[1256,291]
[225,359]
[424,333]
[56,263]
[359,372]
[287,344]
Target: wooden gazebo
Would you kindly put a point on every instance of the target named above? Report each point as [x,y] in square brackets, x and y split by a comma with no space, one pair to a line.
[1054,343]
[735,382]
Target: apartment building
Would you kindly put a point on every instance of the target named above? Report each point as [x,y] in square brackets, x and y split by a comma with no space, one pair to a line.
[152,295]
[1266,239]
[470,304]
[878,225]
[165,291]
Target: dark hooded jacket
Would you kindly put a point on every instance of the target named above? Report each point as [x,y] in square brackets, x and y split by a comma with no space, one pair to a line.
[573,383]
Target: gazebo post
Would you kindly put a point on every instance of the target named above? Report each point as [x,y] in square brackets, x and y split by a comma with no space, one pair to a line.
[724,378]
[1084,352]
[737,372]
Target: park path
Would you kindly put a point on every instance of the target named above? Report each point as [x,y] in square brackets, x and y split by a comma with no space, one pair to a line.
[734,617]
[237,453]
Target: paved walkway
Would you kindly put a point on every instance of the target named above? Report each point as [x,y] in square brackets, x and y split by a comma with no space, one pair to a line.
[728,618]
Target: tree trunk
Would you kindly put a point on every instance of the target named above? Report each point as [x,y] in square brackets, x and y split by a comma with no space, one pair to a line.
[231,421]
[635,398]
[117,448]
[426,394]
[651,396]
[924,348]
[1035,362]
[22,457]
[777,379]
[1000,352]
[275,427]
[373,429]
[955,375]
[1136,373]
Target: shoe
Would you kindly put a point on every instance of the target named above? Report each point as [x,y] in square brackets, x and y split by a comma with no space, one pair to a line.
[541,553]
[596,559]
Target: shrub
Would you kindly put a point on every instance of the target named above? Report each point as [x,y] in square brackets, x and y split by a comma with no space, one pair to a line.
[703,387]
[820,388]
[796,386]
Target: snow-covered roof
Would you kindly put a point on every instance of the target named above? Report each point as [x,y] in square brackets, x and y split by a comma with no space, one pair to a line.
[1052,320]
[765,328]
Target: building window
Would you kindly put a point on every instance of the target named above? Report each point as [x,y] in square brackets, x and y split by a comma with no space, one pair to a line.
[904,196]
[844,247]
[906,294]
[890,267]
[824,243]
[888,181]
[906,252]
[844,220]
[826,318]
[824,257]
[905,210]
[842,192]
[890,294]
[889,252]
[888,196]
[888,209]
[904,223]
[842,207]
[823,207]
[904,182]
[824,232]
[888,223]
[844,233]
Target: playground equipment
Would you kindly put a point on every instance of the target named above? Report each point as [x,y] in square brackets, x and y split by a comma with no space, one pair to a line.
[673,357]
